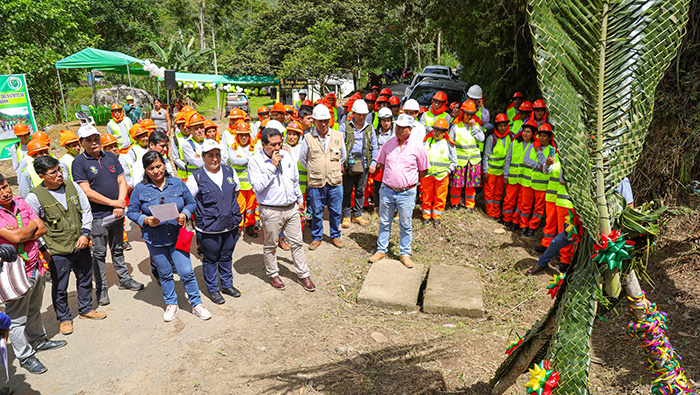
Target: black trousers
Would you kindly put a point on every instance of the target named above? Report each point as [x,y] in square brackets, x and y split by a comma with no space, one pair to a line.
[356,183]
[60,266]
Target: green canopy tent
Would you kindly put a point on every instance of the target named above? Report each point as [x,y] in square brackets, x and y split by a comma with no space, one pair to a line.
[98,59]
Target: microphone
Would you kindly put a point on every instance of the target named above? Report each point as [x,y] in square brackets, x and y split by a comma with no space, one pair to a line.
[279,164]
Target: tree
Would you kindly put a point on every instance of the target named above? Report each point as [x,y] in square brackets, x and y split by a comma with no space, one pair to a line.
[180,56]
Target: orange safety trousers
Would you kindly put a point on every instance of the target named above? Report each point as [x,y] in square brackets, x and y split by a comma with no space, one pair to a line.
[509,203]
[493,193]
[566,253]
[248,204]
[537,209]
[524,210]
[434,196]
[456,196]
[550,225]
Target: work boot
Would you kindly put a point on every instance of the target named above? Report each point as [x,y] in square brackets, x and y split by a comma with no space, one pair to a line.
[277,283]
[360,221]
[337,242]
[377,257]
[94,315]
[283,244]
[540,249]
[307,284]
[250,231]
[66,327]
[406,260]
[231,291]
[314,245]
[346,222]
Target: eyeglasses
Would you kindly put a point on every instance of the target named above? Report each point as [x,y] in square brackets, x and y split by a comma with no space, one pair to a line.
[52,173]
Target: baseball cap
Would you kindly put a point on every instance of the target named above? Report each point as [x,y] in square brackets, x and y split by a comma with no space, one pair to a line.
[404,120]
[209,145]
[87,131]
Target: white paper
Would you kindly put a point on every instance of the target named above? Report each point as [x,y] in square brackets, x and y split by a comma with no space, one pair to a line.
[165,212]
[108,220]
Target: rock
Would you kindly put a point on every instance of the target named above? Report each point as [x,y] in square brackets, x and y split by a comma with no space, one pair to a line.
[379,337]
[108,96]
[454,290]
[391,285]
[449,326]
[499,231]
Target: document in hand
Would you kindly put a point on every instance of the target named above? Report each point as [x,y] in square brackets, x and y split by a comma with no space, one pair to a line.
[165,212]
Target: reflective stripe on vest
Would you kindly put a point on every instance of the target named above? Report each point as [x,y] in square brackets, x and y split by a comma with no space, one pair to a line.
[498,156]
[563,199]
[516,162]
[68,161]
[553,183]
[439,157]
[525,178]
[539,178]
[303,177]
[465,145]
[242,171]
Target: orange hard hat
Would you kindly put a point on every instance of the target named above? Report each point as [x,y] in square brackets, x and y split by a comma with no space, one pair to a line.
[531,124]
[547,128]
[289,108]
[394,101]
[357,96]
[307,102]
[370,97]
[539,104]
[263,109]
[148,124]
[186,109]
[194,119]
[244,128]
[382,99]
[107,139]
[116,106]
[385,92]
[440,96]
[209,124]
[237,113]
[526,106]
[278,107]
[501,118]
[21,129]
[294,126]
[517,95]
[375,87]
[181,117]
[263,124]
[35,146]
[468,106]
[42,136]
[330,96]
[67,137]
[349,103]
[137,130]
[441,123]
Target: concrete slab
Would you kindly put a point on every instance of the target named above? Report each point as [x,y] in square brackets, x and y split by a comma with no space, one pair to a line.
[454,290]
[391,285]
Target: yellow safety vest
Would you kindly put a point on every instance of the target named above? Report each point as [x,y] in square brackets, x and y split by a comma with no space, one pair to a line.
[511,112]
[553,182]
[563,199]
[430,118]
[439,157]
[465,145]
[242,171]
[539,178]
[36,180]
[498,156]
[516,162]
[68,160]
[525,179]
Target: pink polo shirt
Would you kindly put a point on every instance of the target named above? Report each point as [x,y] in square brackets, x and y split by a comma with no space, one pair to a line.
[27,215]
[402,162]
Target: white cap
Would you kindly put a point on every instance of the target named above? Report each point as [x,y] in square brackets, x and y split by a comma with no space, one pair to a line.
[404,120]
[321,113]
[411,105]
[384,113]
[210,144]
[302,91]
[87,131]
[360,107]
[272,124]
[475,92]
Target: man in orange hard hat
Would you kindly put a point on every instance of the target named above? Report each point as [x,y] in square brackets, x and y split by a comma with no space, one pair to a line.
[69,141]
[277,112]
[512,109]
[193,149]
[438,109]
[18,150]
[119,126]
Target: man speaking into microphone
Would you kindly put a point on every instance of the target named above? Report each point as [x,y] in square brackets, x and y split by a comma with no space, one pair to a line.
[274,176]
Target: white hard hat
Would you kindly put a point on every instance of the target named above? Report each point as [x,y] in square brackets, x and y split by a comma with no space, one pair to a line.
[87,131]
[360,107]
[320,113]
[210,144]
[411,105]
[384,113]
[475,92]
[302,91]
[404,120]
[272,124]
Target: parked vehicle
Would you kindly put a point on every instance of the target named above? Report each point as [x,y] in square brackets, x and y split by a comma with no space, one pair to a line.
[237,100]
[391,76]
[420,77]
[406,75]
[423,92]
[437,69]
[373,80]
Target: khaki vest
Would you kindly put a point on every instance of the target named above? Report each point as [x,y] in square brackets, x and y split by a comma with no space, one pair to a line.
[324,167]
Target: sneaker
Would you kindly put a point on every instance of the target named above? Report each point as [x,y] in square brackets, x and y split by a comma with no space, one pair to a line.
[33,365]
[127,246]
[170,312]
[131,284]
[50,345]
[425,221]
[346,222]
[216,297]
[66,327]
[201,312]
[94,315]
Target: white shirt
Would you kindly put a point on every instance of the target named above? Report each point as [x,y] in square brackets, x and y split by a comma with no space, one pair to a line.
[217,177]
[137,170]
[272,188]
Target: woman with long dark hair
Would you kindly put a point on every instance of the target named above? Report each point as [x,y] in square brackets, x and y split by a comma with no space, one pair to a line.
[159,187]
[160,116]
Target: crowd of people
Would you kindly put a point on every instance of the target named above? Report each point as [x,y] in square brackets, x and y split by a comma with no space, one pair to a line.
[176,175]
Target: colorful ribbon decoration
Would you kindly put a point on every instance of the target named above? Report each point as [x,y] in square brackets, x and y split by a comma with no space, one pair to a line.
[542,379]
[514,345]
[554,284]
[612,250]
[572,226]
[662,360]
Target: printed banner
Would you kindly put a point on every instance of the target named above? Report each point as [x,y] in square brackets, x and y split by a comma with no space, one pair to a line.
[15,107]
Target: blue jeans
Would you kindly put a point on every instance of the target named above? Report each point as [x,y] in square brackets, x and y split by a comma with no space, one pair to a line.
[164,258]
[317,198]
[217,251]
[389,202]
[557,243]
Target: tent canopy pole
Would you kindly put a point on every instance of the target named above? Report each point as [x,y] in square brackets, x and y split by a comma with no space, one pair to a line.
[129,74]
[63,99]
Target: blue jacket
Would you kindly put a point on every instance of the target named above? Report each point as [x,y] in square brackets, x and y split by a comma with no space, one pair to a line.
[145,195]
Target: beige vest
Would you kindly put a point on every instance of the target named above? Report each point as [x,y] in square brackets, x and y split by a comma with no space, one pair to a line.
[324,167]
